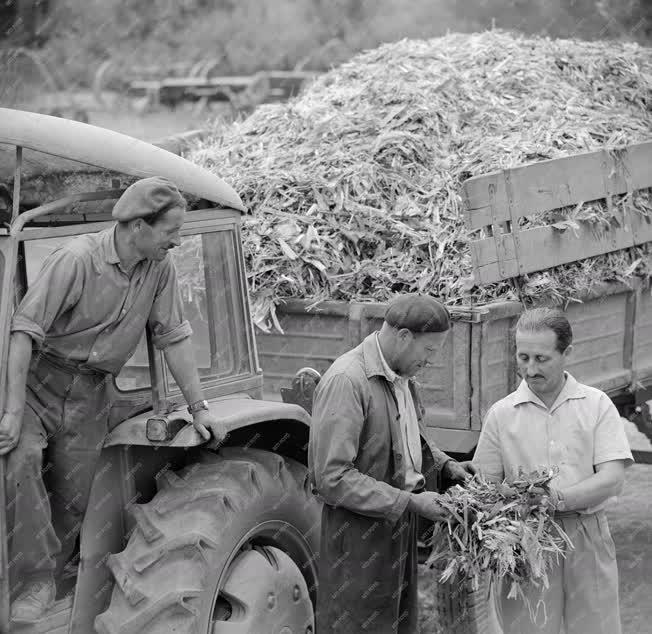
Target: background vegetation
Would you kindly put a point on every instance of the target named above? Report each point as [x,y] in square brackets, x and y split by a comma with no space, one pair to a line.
[76,36]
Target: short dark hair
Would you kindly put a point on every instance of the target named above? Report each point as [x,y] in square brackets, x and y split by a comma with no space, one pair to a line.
[538,319]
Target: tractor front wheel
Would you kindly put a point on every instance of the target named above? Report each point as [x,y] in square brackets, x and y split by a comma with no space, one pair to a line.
[226,546]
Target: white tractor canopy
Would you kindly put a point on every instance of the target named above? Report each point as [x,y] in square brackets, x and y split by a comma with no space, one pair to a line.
[53,145]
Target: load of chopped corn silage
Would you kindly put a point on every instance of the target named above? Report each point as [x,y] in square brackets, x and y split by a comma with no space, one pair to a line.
[355,186]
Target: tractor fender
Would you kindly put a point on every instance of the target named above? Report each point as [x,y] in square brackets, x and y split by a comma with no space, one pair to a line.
[235,413]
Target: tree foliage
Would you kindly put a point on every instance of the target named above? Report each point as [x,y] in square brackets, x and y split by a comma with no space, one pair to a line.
[248,35]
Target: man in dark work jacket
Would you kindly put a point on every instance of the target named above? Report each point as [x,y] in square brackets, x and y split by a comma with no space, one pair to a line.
[370,464]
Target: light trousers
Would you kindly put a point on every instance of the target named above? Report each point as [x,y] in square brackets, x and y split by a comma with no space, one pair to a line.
[582,597]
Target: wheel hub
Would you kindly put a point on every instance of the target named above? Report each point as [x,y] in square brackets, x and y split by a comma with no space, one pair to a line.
[265,592]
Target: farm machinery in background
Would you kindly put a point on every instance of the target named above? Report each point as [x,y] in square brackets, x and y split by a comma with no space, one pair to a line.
[29,82]
[150,87]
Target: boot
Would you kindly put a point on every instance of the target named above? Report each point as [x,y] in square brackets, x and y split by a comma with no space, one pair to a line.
[34,601]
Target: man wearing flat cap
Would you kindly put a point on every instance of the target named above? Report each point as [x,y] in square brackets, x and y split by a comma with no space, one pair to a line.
[76,327]
[375,472]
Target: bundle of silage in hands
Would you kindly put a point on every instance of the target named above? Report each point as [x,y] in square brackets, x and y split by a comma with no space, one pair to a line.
[355,186]
[496,529]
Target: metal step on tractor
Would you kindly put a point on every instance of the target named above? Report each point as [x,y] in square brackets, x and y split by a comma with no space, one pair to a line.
[177,537]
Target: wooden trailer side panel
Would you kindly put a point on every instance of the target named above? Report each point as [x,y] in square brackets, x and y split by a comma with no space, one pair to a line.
[309,339]
[612,346]
[316,338]
[642,339]
[476,365]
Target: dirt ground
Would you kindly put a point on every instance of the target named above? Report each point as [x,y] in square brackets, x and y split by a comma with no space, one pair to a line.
[631,526]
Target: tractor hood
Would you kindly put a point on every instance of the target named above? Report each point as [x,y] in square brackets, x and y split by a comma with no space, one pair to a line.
[51,144]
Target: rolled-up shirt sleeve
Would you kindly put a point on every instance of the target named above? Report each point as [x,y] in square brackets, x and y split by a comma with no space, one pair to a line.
[488,456]
[338,418]
[610,439]
[55,290]
[166,319]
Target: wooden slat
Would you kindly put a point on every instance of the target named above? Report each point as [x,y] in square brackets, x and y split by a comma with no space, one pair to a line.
[542,248]
[475,363]
[562,182]
[497,256]
[461,375]
[633,298]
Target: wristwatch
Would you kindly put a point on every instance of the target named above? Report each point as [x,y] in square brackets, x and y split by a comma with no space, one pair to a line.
[197,406]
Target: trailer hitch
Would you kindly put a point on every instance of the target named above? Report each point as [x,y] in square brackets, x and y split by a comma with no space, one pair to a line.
[303,388]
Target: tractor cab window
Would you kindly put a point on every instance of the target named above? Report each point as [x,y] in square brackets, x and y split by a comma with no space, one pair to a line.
[212,295]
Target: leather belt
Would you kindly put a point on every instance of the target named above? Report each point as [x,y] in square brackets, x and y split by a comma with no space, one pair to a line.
[70,366]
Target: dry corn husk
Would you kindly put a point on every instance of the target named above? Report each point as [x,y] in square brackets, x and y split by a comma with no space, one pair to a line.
[494,529]
[355,185]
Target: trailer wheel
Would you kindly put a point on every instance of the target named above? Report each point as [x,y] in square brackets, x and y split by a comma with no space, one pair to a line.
[226,545]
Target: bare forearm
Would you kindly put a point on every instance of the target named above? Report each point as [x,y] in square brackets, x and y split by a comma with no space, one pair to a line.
[594,490]
[181,361]
[20,353]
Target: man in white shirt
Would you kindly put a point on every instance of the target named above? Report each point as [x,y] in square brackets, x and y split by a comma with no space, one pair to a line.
[553,420]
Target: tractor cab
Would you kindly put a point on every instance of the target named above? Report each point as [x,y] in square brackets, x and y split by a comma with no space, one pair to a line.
[60,179]
[58,185]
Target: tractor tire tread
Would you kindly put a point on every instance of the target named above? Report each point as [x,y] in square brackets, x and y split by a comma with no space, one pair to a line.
[165,546]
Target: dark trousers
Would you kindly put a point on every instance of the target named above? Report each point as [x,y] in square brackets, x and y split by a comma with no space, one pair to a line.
[50,471]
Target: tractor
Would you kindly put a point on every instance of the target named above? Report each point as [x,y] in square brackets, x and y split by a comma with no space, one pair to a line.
[179,535]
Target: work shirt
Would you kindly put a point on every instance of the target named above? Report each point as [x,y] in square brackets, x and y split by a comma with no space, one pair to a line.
[409,424]
[84,307]
[580,430]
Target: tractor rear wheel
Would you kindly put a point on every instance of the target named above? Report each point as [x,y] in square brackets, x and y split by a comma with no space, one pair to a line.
[226,546]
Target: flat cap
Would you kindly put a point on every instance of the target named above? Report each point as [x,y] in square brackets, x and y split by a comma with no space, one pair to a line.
[417,313]
[146,197]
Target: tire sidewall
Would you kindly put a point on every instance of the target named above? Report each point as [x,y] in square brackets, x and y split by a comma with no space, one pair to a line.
[269,519]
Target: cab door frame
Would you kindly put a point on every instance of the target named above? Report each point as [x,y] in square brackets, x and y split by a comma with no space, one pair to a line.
[8,260]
